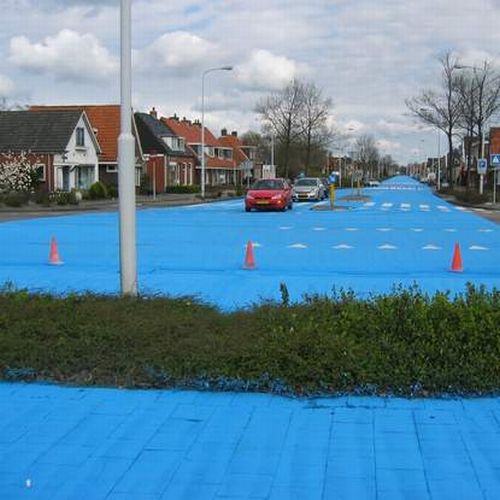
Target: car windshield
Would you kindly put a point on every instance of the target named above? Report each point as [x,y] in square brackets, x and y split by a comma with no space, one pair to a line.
[267,184]
[306,182]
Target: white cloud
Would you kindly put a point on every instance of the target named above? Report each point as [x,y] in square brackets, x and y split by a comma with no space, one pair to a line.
[179,52]
[267,71]
[386,146]
[6,86]
[67,55]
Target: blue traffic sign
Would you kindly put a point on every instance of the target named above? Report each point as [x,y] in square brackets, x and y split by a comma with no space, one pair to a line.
[482,165]
[495,160]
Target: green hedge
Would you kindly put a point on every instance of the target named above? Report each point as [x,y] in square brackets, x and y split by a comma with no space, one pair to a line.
[405,343]
[182,189]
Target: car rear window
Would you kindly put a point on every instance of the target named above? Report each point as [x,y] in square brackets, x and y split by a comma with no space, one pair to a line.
[268,184]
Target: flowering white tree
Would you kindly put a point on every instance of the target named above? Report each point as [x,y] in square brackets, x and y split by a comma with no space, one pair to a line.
[17,172]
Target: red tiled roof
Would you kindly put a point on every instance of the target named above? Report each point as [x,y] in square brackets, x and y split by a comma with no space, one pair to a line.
[234,142]
[191,131]
[105,118]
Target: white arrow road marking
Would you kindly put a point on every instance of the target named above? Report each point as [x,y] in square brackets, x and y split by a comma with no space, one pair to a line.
[352,229]
[284,228]
[387,246]
[485,230]
[451,230]
[405,205]
[478,247]
[369,204]
[384,229]
[387,205]
[424,207]
[416,229]
[297,245]
[319,228]
[342,246]
[431,247]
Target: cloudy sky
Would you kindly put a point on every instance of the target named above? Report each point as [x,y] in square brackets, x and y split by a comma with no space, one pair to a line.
[367,55]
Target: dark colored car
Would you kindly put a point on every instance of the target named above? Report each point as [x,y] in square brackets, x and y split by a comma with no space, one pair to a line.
[269,194]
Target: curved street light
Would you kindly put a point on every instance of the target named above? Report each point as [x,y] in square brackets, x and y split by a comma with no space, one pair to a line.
[221,68]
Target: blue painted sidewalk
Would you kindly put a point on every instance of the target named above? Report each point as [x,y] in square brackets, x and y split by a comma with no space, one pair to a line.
[91,444]
[402,235]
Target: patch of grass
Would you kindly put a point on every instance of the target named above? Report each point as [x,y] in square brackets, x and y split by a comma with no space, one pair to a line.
[405,343]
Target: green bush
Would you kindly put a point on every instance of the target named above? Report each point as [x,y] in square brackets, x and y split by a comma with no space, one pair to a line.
[15,199]
[41,198]
[97,191]
[404,343]
[182,189]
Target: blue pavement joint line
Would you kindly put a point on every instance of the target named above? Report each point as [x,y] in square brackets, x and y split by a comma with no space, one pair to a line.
[190,445]
[401,236]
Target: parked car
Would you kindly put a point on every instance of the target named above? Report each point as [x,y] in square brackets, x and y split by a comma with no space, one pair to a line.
[309,188]
[269,194]
[372,184]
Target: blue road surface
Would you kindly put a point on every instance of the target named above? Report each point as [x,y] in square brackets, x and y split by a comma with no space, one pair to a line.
[89,444]
[402,234]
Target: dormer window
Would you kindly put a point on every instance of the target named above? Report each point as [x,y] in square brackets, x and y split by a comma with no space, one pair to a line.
[80,137]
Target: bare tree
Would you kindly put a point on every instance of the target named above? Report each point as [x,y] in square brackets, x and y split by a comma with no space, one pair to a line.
[316,134]
[441,109]
[280,113]
[367,154]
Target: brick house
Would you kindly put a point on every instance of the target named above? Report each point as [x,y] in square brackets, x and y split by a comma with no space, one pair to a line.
[105,121]
[169,161]
[61,144]
[220,166]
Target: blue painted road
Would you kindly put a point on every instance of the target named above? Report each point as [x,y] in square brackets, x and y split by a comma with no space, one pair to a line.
[89,444]
[403,234]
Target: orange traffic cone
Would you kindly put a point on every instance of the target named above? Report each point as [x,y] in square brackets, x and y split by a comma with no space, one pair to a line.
[456,262]
[249,257]
[54,258]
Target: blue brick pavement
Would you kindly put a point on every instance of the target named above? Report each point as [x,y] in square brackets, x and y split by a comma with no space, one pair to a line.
[86,443]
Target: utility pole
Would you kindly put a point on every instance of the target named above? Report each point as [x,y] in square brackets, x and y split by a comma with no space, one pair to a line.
[126,161]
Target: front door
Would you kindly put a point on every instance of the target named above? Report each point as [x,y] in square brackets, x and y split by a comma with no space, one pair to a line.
[65,178]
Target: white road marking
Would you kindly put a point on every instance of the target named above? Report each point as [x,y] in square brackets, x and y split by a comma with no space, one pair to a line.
[431,247]
[451,230]
[405,205]
[387,246]
[384,229]
[462,209]
[297,245]
[443,209]
[369,204]
[478,247]
[424,207]
[319,228]
[352,229]
[284,228]
[342,246]
[416,229]
[387,205]
[485,230]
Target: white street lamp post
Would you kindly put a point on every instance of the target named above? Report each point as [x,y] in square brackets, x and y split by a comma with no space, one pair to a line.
[221,68]
[439,162]
[126,161]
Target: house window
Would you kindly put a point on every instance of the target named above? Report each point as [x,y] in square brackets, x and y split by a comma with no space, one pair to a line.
[80,137]
[111,169]
[40,172]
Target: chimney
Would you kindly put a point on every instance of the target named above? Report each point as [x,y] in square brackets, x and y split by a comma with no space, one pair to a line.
[223,132]
[153,113]
[234,133]
[174,117]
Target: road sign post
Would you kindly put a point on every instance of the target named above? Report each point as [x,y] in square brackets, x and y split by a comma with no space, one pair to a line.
[495,164]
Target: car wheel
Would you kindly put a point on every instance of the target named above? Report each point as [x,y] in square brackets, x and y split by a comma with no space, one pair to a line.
[290,205]
[247,209]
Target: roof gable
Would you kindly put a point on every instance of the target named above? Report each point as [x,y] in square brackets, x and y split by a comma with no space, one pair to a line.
[44,132]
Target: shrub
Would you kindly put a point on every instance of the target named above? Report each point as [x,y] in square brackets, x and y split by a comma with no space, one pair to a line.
[404,343]
[42,198]
[182,189]
[97,191]
[16,199]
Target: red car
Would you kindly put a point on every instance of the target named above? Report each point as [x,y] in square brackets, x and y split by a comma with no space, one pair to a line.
[269,193]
